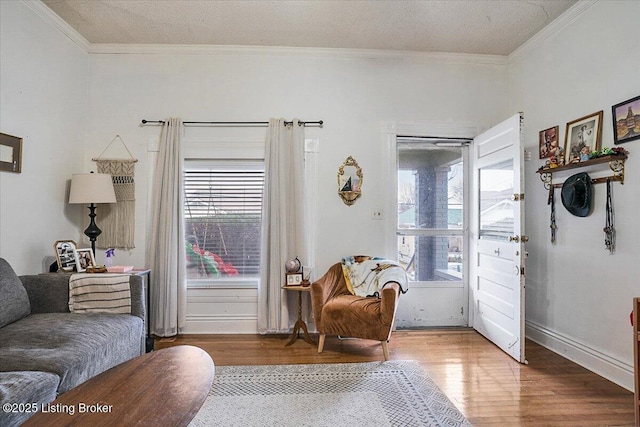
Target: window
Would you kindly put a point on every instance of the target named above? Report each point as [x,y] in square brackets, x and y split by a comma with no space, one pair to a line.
[222,210]
[496,205]
[430,209]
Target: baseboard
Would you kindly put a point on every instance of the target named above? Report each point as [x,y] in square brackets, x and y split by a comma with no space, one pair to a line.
[614,370]
[221,325]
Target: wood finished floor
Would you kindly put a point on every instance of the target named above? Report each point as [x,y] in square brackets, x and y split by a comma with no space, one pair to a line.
[486,385]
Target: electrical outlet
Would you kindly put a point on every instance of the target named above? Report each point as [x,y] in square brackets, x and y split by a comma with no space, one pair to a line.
[376,214]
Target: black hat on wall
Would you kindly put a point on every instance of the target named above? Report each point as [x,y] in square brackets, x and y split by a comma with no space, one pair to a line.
[577,193]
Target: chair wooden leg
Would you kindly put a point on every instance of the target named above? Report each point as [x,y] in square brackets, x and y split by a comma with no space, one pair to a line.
[385,350]
[321,343]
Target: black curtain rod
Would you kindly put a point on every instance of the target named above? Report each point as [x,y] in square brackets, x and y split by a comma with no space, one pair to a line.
[319,123]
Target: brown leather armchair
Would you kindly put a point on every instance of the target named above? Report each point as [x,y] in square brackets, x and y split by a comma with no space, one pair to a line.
[338,312]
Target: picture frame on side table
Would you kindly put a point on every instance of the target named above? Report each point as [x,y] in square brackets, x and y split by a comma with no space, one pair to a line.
[84,259]
[626,120]
[65,256]
[294,279]
[583,136]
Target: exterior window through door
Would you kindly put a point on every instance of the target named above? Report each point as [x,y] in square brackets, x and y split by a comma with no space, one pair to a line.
[430,224]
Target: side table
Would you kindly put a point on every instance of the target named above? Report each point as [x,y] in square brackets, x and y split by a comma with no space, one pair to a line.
[300,324]
[145,274]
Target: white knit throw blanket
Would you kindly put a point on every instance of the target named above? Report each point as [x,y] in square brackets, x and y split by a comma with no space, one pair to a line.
[366,276]
[99,293]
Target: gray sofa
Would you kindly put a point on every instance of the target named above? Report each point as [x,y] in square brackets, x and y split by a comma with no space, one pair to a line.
[45,350]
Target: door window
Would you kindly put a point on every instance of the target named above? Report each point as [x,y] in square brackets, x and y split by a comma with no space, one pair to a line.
[496,204]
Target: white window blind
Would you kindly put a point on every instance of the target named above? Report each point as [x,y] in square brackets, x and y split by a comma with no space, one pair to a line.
[223,208]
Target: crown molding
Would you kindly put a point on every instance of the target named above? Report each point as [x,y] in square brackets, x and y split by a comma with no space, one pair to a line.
[54,20]
[339,53]
[558,24]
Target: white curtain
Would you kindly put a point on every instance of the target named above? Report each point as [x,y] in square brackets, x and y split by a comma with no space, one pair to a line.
[283,234]
[166,251]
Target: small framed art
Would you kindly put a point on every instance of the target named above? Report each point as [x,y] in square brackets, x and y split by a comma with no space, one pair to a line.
[64,254]
[583,137]
[626,120]
[10,153]
[294,279]
[549,144]
[84,259]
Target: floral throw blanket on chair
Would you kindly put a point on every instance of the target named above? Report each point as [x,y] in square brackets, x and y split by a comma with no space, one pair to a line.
[366,276]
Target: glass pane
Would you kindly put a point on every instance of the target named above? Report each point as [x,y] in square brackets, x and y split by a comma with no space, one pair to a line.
[430,187]
[431,258]
[496,206]
[223,207]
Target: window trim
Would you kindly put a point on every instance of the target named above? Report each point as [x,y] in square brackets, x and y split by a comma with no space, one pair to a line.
[395,142]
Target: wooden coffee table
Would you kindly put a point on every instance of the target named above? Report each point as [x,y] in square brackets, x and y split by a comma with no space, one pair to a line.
[165,387]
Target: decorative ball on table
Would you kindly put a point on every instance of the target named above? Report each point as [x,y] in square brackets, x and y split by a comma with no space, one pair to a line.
[293,265]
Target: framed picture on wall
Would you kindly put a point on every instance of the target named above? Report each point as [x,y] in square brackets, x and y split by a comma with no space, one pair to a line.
[10,153]
[583,137]
[549,144]
[626,120]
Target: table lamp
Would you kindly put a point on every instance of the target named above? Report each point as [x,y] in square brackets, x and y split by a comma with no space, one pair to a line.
[92,188]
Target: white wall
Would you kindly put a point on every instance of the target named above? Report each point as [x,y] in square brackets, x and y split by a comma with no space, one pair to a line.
[43,98]
[353,93]
[578,295]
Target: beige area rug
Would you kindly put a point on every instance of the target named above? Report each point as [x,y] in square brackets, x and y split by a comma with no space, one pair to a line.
[392,393]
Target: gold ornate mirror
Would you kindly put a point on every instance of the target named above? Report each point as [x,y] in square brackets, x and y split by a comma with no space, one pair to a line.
[349,181]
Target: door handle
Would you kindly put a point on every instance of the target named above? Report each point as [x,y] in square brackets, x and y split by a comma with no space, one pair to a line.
[515,239]
[524,239]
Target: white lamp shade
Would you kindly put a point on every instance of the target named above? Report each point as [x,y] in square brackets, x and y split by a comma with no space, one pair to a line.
[92,188]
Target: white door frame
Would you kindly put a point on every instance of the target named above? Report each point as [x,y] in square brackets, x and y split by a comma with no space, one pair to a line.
[390,131]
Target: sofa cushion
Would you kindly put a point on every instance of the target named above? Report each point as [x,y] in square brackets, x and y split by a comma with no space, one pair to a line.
[30,390]
[14,301]
[76,347]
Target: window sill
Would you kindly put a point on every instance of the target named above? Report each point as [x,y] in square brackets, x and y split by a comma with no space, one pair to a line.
[223,284]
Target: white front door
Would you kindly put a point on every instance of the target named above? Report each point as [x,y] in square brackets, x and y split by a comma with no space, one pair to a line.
[497,237]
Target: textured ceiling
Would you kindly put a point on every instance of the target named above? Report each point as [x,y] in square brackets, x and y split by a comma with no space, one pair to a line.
[456,26]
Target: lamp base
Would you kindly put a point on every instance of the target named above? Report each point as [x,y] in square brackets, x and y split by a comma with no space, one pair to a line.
[92,231]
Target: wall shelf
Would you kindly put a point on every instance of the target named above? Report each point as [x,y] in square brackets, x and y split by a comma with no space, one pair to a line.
[615,162]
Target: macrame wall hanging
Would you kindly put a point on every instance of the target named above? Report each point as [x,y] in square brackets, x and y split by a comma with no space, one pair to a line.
[117,220]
